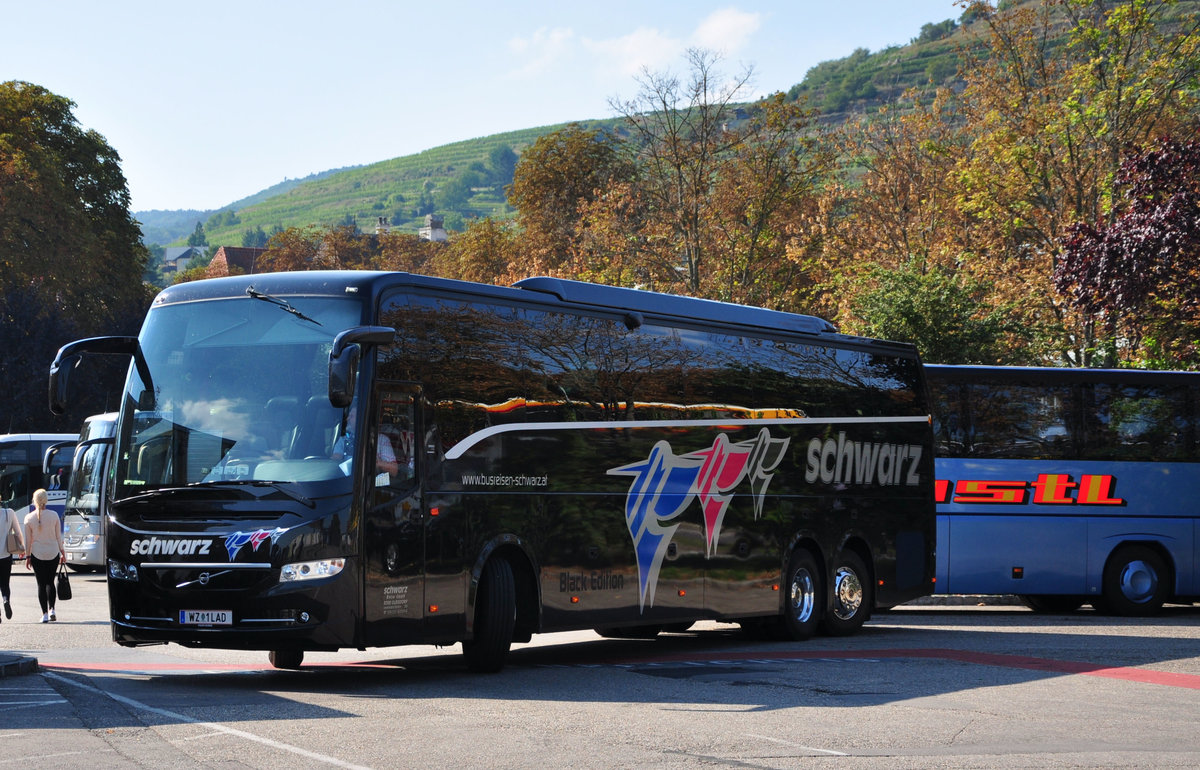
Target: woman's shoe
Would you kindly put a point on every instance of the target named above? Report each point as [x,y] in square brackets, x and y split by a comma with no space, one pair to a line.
[45,617]
[7,610]
[53,616]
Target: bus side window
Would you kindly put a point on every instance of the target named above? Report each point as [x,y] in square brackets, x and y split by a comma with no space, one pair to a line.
[397,445]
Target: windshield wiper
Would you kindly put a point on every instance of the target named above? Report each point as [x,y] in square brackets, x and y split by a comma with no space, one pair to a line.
[215,487]
[283,304]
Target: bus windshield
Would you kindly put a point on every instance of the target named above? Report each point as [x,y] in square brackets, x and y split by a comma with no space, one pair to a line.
[238,393]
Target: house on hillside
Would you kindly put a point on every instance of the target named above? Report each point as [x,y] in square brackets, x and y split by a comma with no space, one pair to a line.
[176,258]
[433,229]
[234,260]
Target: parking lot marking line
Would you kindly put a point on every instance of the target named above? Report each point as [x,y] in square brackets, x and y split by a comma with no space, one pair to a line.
[138,705]
[44,757]
[830,752]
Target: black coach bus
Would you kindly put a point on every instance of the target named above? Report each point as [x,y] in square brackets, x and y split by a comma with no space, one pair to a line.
[320,460]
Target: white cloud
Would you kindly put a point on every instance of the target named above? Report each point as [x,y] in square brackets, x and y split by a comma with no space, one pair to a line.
[726,31]
[643,48]
[542,51]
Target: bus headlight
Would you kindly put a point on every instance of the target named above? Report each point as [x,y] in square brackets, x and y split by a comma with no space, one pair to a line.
[311,570]
[119,570]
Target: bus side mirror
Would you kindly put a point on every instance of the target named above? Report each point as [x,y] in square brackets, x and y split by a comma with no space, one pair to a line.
[342,369]
[345,355]
[70,355]
[52,452]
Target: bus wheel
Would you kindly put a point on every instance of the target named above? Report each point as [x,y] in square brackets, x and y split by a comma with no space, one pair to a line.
[1135,582]
[286,658]
[1055,605]
[852,596]
[495,618]
[805,597]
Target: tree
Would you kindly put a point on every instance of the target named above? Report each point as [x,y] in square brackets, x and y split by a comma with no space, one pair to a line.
[678,137]
[1049,118]
[1138,275]
[485,253]
[295,248]
[938,310]
[557,175]
[763,207]
[455,192]
[71,257]
[986,182]
[197,238]
[406,252]
[256,238]
[502,162]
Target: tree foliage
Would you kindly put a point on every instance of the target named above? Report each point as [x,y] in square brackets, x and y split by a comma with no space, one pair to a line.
[938,310]
[71,259]
[985,181]
[555,177]
[1138,273]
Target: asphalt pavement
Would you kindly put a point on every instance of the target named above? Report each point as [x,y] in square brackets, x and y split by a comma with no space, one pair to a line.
[13,663]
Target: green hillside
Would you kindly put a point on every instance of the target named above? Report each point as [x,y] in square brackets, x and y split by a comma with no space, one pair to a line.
[401,190]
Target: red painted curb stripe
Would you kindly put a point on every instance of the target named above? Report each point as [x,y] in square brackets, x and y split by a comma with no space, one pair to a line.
[1049,665]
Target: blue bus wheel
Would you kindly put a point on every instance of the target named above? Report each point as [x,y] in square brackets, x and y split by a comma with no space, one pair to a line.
[852,596]
[1135,582]
[805,597]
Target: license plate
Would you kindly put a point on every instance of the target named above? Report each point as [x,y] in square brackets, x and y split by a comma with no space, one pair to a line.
[206,617]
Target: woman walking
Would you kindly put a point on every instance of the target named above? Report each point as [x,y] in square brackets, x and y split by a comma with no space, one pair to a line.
[14,537]
[43,539]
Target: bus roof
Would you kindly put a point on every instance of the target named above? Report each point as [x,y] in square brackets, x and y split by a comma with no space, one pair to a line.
[1049,374]
[8,438]
[542,290]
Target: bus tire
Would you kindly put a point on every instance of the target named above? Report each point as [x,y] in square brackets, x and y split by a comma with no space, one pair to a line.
[495,618]
[290,659]
[805,598]
[1135,582]
[852,596]
[1052,604]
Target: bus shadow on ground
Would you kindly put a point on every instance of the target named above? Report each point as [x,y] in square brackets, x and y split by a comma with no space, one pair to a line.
[897,657]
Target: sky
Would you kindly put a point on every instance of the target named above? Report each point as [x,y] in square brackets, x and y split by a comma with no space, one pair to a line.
[207,103]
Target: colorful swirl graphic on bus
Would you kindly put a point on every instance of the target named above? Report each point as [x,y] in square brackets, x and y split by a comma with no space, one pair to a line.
[236,541]
[664,484]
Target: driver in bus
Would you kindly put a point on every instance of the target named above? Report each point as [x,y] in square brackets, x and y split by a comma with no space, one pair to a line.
[343,448]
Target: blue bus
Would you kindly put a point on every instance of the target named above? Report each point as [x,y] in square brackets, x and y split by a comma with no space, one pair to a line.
[1068,486]
[320,460]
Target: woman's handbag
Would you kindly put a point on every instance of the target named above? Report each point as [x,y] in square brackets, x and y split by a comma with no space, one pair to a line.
[64,583]
[12,544]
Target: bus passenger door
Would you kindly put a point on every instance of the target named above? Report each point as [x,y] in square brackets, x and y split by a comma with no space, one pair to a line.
[394,525]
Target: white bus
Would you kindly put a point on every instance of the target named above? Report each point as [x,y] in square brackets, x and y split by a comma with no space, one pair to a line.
[22,472]
[83,521]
